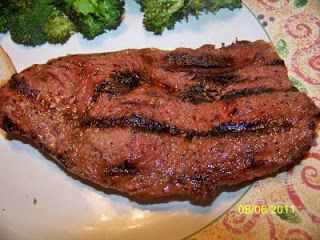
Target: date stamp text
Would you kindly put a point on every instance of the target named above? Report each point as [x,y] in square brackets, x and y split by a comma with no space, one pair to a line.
[266,209]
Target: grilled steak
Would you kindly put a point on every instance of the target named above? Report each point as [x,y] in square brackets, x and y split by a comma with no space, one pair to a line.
[153,123]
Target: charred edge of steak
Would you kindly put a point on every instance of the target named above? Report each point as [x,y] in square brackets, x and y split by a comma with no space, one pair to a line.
[120,82]
[126,168]
[20,86]
[276,62]
[150,125]
[203,61]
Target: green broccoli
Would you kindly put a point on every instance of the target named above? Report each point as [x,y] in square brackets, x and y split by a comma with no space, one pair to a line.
[38,22]
[3,22]
[18,5]
[9,8]
[162,14]
[94,17]
[214,5]
[59,29]
[26,26]
[4,15]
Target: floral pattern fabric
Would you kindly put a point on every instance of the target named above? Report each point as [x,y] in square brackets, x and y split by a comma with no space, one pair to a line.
[294,29]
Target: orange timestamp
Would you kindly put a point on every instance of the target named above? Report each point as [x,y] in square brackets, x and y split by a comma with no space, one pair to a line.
[266,209]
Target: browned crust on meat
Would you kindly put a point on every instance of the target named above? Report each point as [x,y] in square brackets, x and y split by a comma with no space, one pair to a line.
[153,123]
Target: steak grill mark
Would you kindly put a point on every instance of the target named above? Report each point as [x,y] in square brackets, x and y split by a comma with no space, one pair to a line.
[8,125]
[199,94]
[153,126]
[20,86]
[127,168]
[204,71]
[222,79]
[120,82]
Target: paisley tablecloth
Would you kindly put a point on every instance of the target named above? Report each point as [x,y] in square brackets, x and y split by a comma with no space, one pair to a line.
[293,26]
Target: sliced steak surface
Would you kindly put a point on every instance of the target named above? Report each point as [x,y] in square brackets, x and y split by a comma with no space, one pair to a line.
[152,123]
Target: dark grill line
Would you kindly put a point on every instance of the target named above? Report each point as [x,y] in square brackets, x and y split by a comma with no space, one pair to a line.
[229,77]
[126,168]
[154,126]
[20,86]
[238,93]
[199,94]
[223,77]
[119,82]
[277,62]
[8,125]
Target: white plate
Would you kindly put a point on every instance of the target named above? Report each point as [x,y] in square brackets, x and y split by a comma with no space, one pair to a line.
[68,209]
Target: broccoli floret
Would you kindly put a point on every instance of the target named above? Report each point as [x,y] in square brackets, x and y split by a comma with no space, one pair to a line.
[8,9]
[161,14]
[215,5]
[93,17]
[28,26]
[3,23]
[4,15]
[34,22]
[18,5]
[59,29]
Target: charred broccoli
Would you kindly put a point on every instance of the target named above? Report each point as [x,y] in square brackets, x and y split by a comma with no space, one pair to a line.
[93,17]
[26,26]
[161,14]
[36,22]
